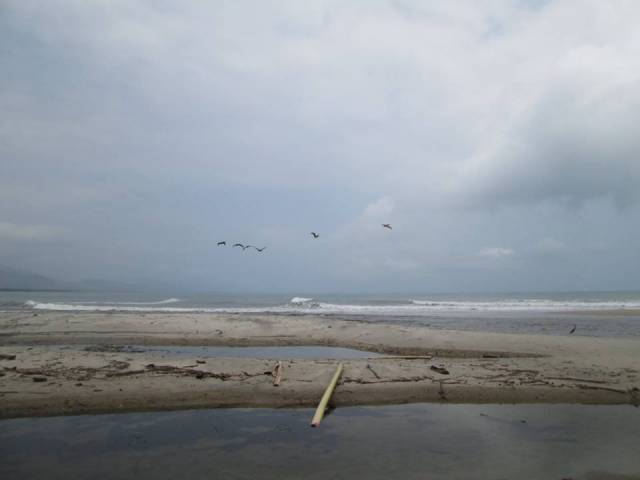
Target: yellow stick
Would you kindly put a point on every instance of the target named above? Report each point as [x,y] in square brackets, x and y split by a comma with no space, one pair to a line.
[322,406]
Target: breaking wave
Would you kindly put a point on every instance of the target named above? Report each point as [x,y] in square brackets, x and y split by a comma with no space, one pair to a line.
[300,300]
[302,305]
[161,302]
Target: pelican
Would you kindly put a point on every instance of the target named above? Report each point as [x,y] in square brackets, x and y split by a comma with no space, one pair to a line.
[315,235]
[386,225]
[221,243]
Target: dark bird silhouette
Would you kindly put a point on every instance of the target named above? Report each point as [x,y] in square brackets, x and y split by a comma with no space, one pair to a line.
[258,249]
[315,235]
[239,245]
[222,243]
[573,329]
[386,225]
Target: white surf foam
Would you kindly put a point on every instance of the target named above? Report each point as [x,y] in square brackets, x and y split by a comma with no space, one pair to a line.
[161,302]
[303,305]
[299,300]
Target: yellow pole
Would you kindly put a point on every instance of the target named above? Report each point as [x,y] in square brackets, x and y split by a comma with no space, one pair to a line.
[322,406]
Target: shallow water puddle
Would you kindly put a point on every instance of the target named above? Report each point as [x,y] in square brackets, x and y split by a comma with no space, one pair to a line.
[424,441]
[283,353]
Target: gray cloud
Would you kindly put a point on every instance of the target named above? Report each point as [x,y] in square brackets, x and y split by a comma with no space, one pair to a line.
[145,131]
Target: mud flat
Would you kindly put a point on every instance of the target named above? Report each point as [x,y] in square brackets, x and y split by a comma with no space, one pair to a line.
[457,367]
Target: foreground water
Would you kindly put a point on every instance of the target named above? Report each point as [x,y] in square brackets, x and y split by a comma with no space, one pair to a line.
[593,313]
[409,442]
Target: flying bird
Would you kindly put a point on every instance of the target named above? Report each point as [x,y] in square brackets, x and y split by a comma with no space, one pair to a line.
[386,225]
[258,249]
[573,329]
[222,243]
[239,245]
[315,235]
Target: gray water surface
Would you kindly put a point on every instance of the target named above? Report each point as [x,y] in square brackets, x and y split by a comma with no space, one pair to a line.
[423,441]
[282,353]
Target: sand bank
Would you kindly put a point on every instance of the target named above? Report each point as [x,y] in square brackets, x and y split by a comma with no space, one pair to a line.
[482,367]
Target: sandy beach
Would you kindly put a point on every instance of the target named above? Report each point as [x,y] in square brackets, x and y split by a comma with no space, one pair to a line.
[469,367]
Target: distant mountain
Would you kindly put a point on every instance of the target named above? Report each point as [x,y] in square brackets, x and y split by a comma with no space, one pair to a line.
[13,279]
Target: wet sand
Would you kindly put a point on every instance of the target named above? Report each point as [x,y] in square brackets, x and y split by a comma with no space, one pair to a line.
[482,367]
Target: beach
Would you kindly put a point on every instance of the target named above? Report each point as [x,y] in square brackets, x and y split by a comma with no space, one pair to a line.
[79,362]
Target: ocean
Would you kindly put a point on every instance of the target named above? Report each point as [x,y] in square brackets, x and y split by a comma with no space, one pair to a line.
[593,313]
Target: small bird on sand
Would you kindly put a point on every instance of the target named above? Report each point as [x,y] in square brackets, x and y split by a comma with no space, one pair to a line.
[315,235]
[221,243]
[239,245]
[386,225]
[573,329]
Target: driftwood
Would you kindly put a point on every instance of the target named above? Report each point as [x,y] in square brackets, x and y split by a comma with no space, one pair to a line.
[441,370]
[277,374]
[402,357]
[575,379]
[375,374]
[187,371]
[608,389]
[418,378]
[125,374]
[441,393]
[322,406]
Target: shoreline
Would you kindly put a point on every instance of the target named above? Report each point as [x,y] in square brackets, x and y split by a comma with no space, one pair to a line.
[483,367]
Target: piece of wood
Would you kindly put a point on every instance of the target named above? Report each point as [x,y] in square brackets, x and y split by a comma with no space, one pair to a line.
[277,374]
[401,357]
[322,406]
[440,370]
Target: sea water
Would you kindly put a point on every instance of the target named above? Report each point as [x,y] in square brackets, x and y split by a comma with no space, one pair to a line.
[593,313]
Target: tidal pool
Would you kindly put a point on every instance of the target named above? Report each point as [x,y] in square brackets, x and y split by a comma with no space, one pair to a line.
[292,352]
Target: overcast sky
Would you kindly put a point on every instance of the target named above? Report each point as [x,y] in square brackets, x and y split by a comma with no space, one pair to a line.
[501,139]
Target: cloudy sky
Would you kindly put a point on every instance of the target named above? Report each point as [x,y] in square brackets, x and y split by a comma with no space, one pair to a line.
[501,139]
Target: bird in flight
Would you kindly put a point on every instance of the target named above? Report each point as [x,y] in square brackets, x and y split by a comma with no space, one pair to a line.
[258,249]
[573,329]
[239,245]
[386,225]
[221,243]
[315,235]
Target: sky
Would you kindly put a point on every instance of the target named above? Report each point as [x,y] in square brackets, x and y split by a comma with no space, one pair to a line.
[500,139]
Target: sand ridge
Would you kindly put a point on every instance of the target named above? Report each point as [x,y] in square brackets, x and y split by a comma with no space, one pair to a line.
[481,367]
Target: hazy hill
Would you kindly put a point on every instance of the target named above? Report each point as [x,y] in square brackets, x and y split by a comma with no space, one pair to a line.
[13,279]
